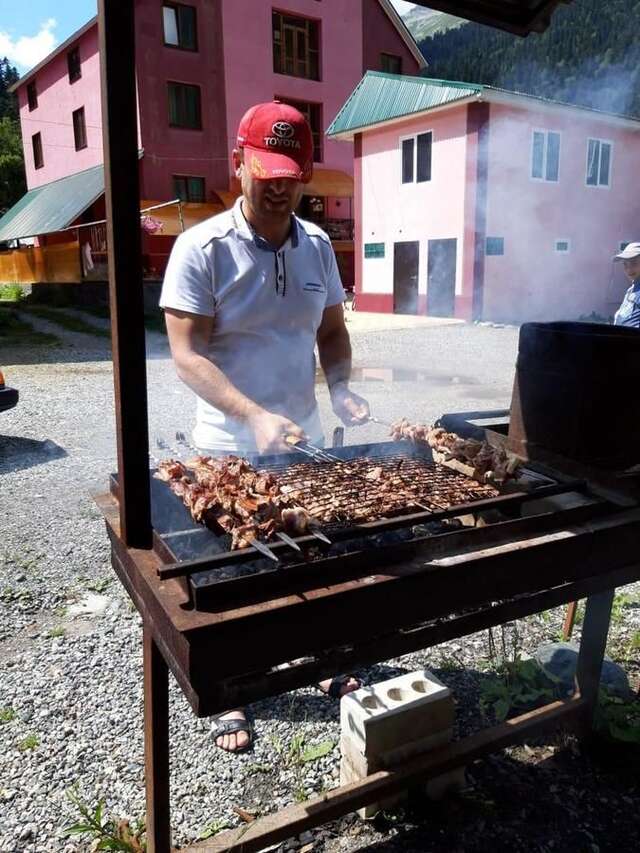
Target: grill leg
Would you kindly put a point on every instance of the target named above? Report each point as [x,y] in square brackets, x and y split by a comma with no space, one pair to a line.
[592,647]
[156,746]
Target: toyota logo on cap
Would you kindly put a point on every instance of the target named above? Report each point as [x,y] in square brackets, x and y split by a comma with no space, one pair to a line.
[283,129]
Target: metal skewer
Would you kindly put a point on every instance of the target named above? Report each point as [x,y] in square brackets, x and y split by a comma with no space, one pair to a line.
[379,421]
[264,549]
[289,541]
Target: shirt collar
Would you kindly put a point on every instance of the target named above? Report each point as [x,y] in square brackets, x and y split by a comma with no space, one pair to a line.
[245,230]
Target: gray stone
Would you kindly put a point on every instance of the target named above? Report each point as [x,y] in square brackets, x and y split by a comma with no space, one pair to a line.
[559,660]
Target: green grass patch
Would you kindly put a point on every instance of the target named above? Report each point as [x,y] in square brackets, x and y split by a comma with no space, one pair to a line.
[153,320]
[6,715]
[16,331]
[28,743]
[11,292]
[68,321]
[58,631]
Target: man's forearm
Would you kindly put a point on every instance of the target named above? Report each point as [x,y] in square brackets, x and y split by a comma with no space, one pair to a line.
[335,358]
[211,384]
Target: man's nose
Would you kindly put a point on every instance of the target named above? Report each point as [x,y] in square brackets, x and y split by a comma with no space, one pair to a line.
[279,185]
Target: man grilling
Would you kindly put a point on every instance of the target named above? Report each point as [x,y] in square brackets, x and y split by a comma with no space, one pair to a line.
[247,296]
[629,312]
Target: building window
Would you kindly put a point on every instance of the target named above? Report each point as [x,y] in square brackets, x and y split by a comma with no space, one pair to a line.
[180,26]
[295,46]
[79,129]
[563,246]
[188,188]
[545,155]
[38,158]
[313,114]
[416,158]
[32,95]
[184,106]
[73,64]
[374,250]
[598,163]
[495,246]
[623,245]
[390,63]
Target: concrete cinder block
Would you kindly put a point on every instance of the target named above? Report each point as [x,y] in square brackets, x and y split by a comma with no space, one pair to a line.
[382,717]
[384,724]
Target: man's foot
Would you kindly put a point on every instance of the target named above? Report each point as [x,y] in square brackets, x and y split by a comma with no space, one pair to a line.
[340,685]
[232,731]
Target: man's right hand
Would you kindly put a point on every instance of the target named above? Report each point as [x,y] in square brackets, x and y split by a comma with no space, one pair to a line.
[270,431]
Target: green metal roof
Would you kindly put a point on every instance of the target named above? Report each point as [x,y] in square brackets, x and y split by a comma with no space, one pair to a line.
[53,206]
[380,97]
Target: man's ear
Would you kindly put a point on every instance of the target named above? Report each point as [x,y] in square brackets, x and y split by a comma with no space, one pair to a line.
[237,162]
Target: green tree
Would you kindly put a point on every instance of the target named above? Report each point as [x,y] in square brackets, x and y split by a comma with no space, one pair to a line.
[589,56]
[12,179]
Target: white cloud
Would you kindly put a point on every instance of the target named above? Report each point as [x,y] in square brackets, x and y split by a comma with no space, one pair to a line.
[27,51]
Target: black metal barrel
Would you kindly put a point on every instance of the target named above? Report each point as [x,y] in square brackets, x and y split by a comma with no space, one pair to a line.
[577,393]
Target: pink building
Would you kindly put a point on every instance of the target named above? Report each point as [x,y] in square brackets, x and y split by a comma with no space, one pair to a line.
[479,203]
[201,64]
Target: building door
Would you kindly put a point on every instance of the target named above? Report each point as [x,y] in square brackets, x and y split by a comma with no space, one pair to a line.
[405,277]
[441,278]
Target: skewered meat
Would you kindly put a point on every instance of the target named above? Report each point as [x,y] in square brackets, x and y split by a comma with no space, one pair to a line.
[490,464]
[229,494]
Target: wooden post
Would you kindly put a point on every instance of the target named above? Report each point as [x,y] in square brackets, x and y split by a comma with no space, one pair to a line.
[569,620]
[156,746]
[120,143]
[592,647]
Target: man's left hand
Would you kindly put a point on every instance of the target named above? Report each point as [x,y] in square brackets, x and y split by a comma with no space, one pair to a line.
[352,409]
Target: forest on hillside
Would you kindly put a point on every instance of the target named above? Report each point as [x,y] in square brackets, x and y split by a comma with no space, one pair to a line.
[12,180]
[590,55]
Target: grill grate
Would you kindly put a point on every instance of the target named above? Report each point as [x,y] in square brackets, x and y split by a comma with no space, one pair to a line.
[368,488]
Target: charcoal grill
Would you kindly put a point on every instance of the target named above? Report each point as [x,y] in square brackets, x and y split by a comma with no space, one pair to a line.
[361,600]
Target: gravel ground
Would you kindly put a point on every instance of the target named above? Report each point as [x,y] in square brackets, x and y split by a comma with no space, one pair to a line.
[70,641]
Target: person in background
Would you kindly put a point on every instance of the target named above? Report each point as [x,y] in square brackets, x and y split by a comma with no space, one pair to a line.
[247,296]
[628,314]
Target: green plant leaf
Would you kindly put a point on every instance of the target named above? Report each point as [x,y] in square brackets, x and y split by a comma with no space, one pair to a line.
[501,709]
[316,751]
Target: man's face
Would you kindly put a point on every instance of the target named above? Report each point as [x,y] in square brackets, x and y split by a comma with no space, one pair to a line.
[270,200]
[632,268]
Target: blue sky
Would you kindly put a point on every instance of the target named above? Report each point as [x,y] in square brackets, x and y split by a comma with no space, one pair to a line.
[30,29]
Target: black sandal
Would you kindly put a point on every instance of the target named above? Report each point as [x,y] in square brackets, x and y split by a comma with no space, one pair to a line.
[222,727]
[337,683]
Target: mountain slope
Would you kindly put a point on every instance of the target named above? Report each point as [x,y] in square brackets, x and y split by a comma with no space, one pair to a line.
[423,23]
[590,55]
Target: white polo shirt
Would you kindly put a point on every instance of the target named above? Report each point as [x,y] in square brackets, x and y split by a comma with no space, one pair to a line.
[267,306]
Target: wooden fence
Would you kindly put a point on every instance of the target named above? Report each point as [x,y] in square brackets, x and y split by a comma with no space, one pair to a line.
[31,264]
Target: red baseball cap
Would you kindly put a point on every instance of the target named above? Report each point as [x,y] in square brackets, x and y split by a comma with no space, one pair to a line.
[277,142]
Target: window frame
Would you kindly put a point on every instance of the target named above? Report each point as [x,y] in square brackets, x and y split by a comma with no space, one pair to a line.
[176,7]
[186,179]
[598,185]
[558,251]
[32,96]
[492,254]
[280,67]
[75,73]
[195,86]
[37,150]
[414,136]
[82,135]
[384,54]
[318,145]
[546,133]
